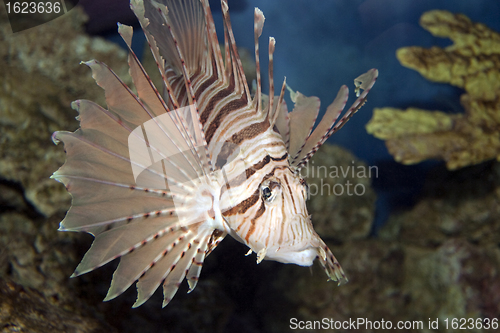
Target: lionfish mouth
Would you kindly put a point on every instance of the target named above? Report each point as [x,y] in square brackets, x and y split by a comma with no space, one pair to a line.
[133,169]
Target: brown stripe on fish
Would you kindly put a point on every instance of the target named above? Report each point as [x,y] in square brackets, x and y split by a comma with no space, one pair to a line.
[216,97]
[235,182]
[291,193]
[255,150]
[250,132]
[270,174]
[258,214]
[243,206]
[206,83]
[225,111]
[242,177]
[283,213]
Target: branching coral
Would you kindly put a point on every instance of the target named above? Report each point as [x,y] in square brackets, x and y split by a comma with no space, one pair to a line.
[472,62]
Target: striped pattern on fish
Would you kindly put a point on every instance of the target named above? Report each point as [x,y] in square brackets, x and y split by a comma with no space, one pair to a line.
[162,176]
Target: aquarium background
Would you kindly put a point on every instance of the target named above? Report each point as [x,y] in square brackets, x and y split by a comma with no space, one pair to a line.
[421,244]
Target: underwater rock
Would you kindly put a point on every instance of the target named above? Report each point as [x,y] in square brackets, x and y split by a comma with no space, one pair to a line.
[25,310]
[463,203]
[450,242]
[472,62]
[41,75]
[34,255]
[456,280]
[11,198]
[35,263]
[342,200]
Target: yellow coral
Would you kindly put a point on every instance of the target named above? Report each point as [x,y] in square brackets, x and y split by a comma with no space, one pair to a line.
[471,63]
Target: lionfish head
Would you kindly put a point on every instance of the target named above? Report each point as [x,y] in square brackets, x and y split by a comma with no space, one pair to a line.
[284,197]
[273,221]
[281,228]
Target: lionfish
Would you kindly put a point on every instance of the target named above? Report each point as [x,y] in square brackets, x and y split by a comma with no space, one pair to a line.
[162,176]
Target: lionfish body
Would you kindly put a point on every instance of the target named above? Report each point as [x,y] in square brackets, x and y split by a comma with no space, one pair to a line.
[162,176]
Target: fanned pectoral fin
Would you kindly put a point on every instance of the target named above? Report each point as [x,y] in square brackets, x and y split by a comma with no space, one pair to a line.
[136,263]
[166,259]
[194,271]
[122,240]
[173,266]
[144,217]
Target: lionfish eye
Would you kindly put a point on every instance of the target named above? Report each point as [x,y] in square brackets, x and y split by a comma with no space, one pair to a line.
[266,193]
[269,189]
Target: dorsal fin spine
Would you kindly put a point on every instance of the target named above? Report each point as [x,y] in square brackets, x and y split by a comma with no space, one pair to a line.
[258,26]
[272,43]
[213,41]
[235,61]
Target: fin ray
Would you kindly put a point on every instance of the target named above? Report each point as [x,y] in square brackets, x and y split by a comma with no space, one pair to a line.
[124,239]
[163,268]
[137,263]
[301,122]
